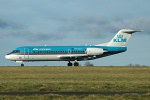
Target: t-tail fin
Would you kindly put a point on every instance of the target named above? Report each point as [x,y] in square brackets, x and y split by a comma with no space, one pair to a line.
[121,38]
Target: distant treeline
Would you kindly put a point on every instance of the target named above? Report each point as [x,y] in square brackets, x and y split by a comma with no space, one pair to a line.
[135,65]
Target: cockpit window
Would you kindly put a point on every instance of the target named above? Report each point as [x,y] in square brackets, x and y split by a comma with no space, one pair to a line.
[15,51]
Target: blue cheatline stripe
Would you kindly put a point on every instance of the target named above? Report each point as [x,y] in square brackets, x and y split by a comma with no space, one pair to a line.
[66,48]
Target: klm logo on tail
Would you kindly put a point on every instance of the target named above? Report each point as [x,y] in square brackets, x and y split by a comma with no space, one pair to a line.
[119,39]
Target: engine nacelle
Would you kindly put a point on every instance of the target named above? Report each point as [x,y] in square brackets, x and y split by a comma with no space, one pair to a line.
[94,51]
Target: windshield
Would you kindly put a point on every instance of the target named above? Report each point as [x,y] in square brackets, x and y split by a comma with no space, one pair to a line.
[15,51]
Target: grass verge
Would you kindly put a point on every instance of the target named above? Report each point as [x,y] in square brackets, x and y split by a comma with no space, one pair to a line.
[74,79]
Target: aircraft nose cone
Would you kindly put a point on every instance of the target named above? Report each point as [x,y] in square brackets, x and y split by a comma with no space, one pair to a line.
[7,57]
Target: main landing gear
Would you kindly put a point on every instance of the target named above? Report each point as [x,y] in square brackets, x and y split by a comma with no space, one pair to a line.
[69,64]
[75,63]
[22,65]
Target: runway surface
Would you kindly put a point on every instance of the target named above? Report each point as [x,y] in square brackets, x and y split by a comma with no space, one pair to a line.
[69,93]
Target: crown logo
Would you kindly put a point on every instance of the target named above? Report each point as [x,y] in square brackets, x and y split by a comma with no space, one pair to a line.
[120,36]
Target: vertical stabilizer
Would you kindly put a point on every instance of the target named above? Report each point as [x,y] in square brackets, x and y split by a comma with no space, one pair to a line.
[121,38]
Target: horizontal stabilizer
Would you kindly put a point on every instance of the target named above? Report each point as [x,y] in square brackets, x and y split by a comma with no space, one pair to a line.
[130,31]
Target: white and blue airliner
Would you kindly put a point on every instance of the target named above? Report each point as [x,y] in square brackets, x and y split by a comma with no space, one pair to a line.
[71,53]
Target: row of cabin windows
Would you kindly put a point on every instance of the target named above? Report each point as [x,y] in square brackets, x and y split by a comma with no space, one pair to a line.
[55,51]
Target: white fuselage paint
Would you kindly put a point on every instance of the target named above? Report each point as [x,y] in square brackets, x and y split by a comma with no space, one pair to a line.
[38,57]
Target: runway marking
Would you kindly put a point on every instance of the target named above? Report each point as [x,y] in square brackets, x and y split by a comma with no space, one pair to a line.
[69,93]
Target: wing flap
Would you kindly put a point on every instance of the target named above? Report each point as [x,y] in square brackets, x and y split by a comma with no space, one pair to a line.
[72,57]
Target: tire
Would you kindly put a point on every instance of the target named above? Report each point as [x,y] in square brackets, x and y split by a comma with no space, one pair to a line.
[22,65]
[76,64]
[69,64]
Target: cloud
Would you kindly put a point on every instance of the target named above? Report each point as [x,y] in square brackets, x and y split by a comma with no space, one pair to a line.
[99,27]
[16,30]
[61,19]
[85,26]
[33,35]
[9,24]
[135,24]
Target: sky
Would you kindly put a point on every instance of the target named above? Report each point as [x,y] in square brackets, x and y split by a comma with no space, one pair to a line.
[75,22]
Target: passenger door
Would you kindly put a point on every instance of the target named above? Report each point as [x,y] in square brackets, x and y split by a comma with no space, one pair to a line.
[26,53]
[69,51]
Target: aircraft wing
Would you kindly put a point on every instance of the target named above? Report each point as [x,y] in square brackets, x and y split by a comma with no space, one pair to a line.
[72,57]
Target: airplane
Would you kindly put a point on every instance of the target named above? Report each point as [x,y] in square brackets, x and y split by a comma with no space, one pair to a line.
[72,53]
